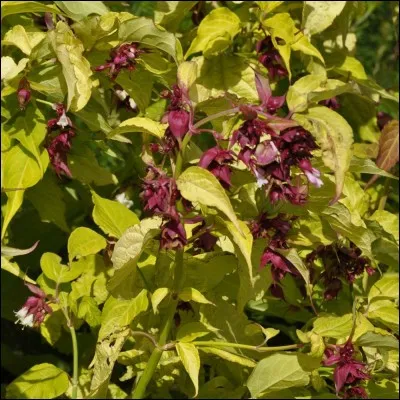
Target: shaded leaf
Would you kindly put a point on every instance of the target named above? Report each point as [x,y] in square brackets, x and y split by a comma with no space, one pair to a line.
[42,381]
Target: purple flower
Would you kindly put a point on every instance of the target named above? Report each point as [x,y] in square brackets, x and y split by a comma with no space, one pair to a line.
[331,103]
[217,161]
[340,263]
[206,241]
[265,153]
[311,173]
[160,194]
[173,236]
[35,308]
[268,102]
[122,57]
[178,121]
[58,150]
[280,266]
[356,392]
[348,370]
[294,194]
[271,58]
[23,93]
[383,118]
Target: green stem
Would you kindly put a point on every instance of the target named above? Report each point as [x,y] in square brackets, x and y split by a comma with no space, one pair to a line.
[140,390]
[74,394]
[382,200]
[246,346]
[45,102]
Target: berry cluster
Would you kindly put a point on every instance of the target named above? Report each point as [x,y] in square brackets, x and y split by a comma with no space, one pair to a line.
[122,57]
[349,372]
[340,263]
[58,146]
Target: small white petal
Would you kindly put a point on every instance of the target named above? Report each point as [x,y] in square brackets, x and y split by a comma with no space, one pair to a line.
[28,321]
[132,104]
[121,94]
[260,179]
[124,200]
[63,121]
[314,179]
[21,314]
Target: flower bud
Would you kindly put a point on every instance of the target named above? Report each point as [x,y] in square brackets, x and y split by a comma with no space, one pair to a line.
[178,122]
[24,96]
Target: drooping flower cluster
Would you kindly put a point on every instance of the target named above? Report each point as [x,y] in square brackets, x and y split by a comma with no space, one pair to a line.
[271,156]
[35,308]
[270,58]
[122,57]
[349,372]
[160,195]
[275,230]
[177,116]
[59,145]
[340,263]
[23,93]
[217,161]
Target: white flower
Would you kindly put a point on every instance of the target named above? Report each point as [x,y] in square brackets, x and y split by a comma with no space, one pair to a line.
[132,103]
[121,94]
[313,177]
[63,121]
[24,318]
[121,198]
[260,179]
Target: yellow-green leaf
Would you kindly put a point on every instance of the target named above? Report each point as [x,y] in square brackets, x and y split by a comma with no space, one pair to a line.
[335,137]
[42,381]
[111,216]
[24,40]
[83,242]
[196,184]
[215,32]
[57,272]
[140,124]
[157,297]
[191,361]
[76,68]
[191,294]
[319,15]
[120,313]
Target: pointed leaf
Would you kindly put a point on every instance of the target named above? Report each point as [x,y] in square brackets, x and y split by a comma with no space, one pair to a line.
[277,372]
[111,216]
[191,361]
[84,242]
[76,68]
[42,381]
[196,184]
[215,32]
[319,15]
[140,124]
[335,137]
[118,314]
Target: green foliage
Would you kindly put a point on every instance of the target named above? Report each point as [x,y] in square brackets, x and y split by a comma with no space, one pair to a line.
[211,188]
